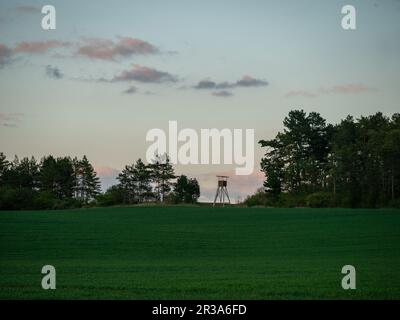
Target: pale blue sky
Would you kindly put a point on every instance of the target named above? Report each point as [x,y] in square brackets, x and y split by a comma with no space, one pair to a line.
[298,47]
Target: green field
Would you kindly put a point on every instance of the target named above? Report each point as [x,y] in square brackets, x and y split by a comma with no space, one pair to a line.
[200,253]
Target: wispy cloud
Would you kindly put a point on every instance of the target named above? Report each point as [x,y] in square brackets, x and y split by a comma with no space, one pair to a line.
[53,72]
[206,84]
[130,90]
[28,47]
[26,8]
[246,81]
[144,74]
[350,88]
[10,120]
[223,94]
[93,48]
[106,49]
[39,46]
[300,93]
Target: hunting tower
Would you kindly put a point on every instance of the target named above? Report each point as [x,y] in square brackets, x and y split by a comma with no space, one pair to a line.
[222,191]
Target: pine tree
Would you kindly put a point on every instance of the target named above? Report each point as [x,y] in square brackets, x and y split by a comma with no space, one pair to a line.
[27,173]
[77,174]
[143,181]
[90,182]
[57,176]
[127,184]
[186,190]
[162,172]
[4,165]
[193,191]
[180,189]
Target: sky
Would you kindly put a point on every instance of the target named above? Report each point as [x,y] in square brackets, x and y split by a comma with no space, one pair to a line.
[113,70]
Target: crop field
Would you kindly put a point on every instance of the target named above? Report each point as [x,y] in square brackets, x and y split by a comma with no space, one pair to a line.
[188,252]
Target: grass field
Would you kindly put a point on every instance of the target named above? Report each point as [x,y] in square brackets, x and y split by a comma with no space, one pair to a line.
[200,253]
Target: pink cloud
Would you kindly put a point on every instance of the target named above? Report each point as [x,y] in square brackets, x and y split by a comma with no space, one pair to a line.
[104,49]
[107,176]
[39,46]
[248,81]
[144,74]
[106,171]
[350,88]
[94,48]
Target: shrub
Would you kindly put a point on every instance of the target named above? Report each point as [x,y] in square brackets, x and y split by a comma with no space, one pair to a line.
[16,199]
[291,200]
[113,196]
[68,203]
[394,203]
[320,200]
[28,199]
[260,198]
[44,200]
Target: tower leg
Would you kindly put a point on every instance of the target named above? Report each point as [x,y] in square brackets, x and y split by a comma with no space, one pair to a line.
[216,197]
[226,192]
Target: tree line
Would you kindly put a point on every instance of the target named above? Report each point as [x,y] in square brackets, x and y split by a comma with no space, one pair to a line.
[51,183]
[65,182]
[355,163]
[153,182]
